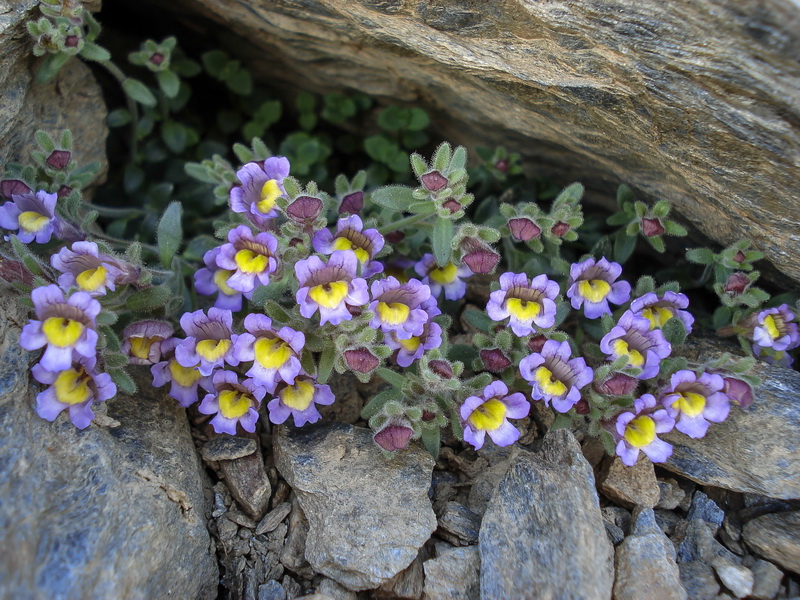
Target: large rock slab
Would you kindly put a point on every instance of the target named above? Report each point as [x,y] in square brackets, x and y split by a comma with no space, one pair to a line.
[694,102]
[776,537]
[368,516]
[98,513]
[542,535]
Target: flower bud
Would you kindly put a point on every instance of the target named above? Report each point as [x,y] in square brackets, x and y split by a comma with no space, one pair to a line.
[652,227]
[501,165]
[560,229]
[59,159]
[494,360]
[434,181]
[737,283]
[13,187]
[157,59]
[452,205]
[352,203]
[442,368]
[740,257]
[360,360]
[738,391]
[304,208]
[482,261]
[582,407]
[523,230]
[72,41]
[394,436]
[618,384]
[64,191]
[536,343]
[394,237]
[428,416]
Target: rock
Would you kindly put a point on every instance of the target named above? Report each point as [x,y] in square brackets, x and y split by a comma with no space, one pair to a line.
[630,486]
[407,584]
[485,483]
[348,405]
[706,510]
[766,580]
[736,578]
[293,553]
[240,519]
[228,447]
[248,482]
[78,505]
[755,450]
[459,525]
[645,563]
[334,591]
[668,521]
[368,516]
[776,537]
[698,580]
[686,101]
[698,543]
[453,575]
[670,494]
[272,590]
[548,491]
[274,518]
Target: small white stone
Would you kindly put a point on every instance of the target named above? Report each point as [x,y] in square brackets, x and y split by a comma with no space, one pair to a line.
[736,578]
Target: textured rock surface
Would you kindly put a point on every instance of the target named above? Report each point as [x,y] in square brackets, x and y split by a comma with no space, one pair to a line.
[111,513]
[776,537]
[631,486]
[367,516]
[693,102]
[545,514]
[71,100]
[453,575]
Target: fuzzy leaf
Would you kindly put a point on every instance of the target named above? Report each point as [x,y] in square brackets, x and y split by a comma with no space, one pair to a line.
[170,233]
[701,256]
[459,159]
[50,66]
[432,440]
[326,363]
[149,299]
[441,242]
[624,194]
[169,83]
[92,51]
[138,91]
[115,360]
[106,317]
[394,197]
[394,379]
[125,384]
[375,405]
[624,245]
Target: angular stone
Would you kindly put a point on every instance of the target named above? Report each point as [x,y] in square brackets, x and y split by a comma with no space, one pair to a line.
[705,509]
[407,584]
[274,518]
[334,591]
[645,563]
[736,578]
[698,543]
[272,590]
[228,447]
[630,486]
[247,480]
[293,552]
[454,575]
[368,516]
[550,491]
[101,512]
[766,580]
[776,537]
[698,580]
[459,525]
[670,494]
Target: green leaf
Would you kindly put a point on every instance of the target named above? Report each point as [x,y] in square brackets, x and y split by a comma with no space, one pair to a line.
[28,258]
[170,233]
[672,228]
[169,83]
[138,91]
[432,440]
[562,421]
[118,118]
[174,136]
[478,319]
[50,66]
[115,360]
[44,141]
[92,51]
[624,194]
[624,245]
[418,119]
[326,363]
[148,299]
[441,242]
[571,194]
[112,341]
[214,61]
[374,406]
[125,384]
[657,243]
[199,172]
[394,379]
[459,160]
[106,317]
[394,197]
[674,331]
[442,157]
[463,353]
[701,256]
[240,82]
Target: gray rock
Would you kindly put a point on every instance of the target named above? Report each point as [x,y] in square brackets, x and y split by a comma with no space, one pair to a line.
[630,486]
[645,563]
[272,590]
[736,578]
[368,516]
[485,483]
[228,447]
[274,518]
[698,543]
[756,449]
[549,491]
[705,509]
[247,480]
[240,519]
[459,525]
[698,580]
[293,552]
[776,537]
[670,494]
[78,505]
[453,575]
[407,584]
[334,591]
[766,580]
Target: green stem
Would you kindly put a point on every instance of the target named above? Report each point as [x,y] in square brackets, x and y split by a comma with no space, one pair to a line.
[133,109]
[403,223]
[124,243]
[110,211]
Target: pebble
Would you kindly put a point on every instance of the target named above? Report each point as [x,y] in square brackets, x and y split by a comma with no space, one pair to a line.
[458,524]
[240,519]
[776,537]
[453,575]
[670,494]
[698,580]
[334,591]
[274,518]
[630,486]
[766,580]
[705,509]
[271,590]
[247,480]
[228,447]
[736,578]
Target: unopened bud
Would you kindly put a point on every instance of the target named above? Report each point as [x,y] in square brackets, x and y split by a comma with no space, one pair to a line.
[494,360]
[58,159]
[434,181]
[452,205]
[304,208]
[536,343]
[64,191]
[352,203]
[582,407]
[157,59]
[652,227]
[13,187]
[524,230]
[501,165]
[72,41]
[740,257]
[482,261]
[394,237]
[428,416]
[618,384]
[560,228]
[395,436]
[737,283]
[738,391]
[360,360]
[442,368]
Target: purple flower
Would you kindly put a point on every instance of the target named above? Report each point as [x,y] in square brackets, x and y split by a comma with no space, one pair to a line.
[209,342]
[351,235]
[448,278]
[34,215]
[738,391]
[592,284]
[660,310]
[779,358]
[233,403]
[394,435]
[554,376]
[260,189]
[774,329]
[330,288]
[83,266]
[214,280]
[636,430]
[632,337]
[142,341]
[299,400]
[361,360]
[275,354]
[397,307]
[64,325]
[695,401]
[527,304]
[183,380]
[75,388]
[249,257]
[490,413]
[414,347]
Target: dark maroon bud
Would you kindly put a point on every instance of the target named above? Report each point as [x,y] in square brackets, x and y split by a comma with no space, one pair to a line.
[582,407]
[360,360]
[352,203]
[452,205]
[394,237]
[501,165]
[428,416]
[294,241]
[64,191]
[72,41]
[356,311]
[13,187]
[494,360]
[618,384]
[394,437]
[442,368]
[434,181]
[482,261]
[740,257]
[15,272]
[536,343]
[59,159]
[737,283]
[157,59]
[524,230]
[652,227]
[560,228]
[304,208]
[738,391]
